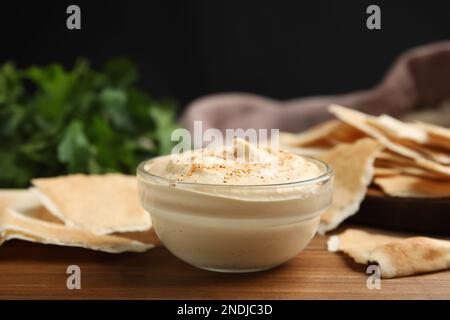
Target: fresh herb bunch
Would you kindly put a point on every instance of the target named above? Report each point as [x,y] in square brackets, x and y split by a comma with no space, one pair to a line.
[54,121]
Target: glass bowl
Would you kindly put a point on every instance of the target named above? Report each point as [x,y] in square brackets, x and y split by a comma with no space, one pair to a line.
[235,228]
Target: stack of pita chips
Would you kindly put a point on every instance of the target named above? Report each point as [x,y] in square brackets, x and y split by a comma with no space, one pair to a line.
[99,212]
[403,159]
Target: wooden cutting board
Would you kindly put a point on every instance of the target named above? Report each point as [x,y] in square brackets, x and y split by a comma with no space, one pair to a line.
[36,271]
[405,214]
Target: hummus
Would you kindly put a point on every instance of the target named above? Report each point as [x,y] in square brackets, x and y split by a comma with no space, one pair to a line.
[238,164]
[238,208]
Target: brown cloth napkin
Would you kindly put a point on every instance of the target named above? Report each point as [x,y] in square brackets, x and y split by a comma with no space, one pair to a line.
[420,77]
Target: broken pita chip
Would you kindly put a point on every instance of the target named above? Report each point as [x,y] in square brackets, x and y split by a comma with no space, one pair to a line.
[7,198]
[345,134]
[101,204]
[398,130]
[324,135]
[12,196]
[418,137]
[361,121]
[412,256]
[353,167]
[412,186]
[382,172]
[357,244]
[394,158]
[438,136]
[409,171]
[436,154]
[388,167]
[432,166]
[410,136]
[313,137]
[23,217]
[422,173]
[408,166]
[41,213]
[384,160]
[396,256]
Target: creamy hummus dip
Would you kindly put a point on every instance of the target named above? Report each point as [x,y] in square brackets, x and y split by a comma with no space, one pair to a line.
[237,208]
[238,164]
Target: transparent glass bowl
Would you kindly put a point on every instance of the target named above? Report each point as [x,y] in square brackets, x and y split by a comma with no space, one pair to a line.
[235,228]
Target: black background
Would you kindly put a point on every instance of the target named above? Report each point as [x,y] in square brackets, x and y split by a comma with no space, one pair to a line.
[186,49]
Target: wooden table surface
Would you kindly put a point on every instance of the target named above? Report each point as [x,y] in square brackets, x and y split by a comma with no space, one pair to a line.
[33,271]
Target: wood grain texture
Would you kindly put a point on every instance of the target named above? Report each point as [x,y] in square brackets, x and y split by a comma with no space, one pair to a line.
[35,271]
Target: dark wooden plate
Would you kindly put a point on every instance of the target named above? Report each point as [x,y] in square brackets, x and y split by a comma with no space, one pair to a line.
[405,214]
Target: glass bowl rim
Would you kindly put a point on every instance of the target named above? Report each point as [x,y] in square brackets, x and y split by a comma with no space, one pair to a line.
[150,177]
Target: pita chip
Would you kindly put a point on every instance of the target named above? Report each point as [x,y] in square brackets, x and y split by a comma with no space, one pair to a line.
[387,166]
[101,204]
[382,172]
[357,244]
[398,129]
[23,217]
[345,134]
[408,166]
[388,160]
[438,136]
[413,186]
[323,135]
[362,122]
[8,198]
[413,136]
[419,172]
[396,256]
[353,166]
[313,137]
[436,154]
[395,159]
